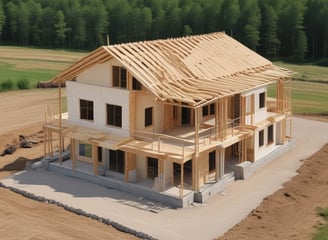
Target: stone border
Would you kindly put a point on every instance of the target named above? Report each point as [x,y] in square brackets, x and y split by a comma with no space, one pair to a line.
[80,212]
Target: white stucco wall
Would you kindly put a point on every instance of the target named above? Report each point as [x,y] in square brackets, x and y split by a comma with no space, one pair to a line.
[100,97]
[97,75]
[259,113]
[265,149]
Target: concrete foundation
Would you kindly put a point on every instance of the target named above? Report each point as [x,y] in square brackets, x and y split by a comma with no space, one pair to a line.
[246,169]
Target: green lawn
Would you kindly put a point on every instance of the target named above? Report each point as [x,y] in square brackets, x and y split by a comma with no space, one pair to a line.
[322,233]
[8,72]
[309,88]
[307,72]
[18,64]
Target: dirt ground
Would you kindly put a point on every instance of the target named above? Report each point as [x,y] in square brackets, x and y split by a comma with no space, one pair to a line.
[22,218]
[290,213]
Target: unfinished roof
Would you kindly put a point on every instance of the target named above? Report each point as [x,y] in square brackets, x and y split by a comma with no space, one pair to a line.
[192,70]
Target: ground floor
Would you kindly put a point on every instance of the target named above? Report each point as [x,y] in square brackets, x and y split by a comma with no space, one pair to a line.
[160,164]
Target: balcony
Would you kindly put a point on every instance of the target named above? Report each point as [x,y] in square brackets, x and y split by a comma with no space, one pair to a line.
[178,144]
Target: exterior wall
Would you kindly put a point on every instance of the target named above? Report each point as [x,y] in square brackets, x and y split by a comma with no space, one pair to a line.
[146,100]
[141,166]
[168,170]
[259,113]
[204,173]
[266,148]
[100,96]
[97,75]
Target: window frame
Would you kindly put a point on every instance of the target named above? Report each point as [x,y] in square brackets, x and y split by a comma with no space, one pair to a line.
[114,115]
[86,112]
[136,85]
[116,161]
[148,117]
[261,138]
[262,99]
[118,73]
[152,168]
[208,110]
[270,136]
[211,161]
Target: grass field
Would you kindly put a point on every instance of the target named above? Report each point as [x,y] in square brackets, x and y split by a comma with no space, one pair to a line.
[17,64]
[322,233]
[32,65]
[307,72]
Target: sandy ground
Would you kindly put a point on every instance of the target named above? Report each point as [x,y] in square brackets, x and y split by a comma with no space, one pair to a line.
[22,218]
[206,221]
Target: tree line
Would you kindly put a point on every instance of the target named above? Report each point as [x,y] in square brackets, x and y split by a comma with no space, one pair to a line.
[293,29]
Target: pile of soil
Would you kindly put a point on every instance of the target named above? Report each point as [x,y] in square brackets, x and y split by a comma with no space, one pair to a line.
[290,213]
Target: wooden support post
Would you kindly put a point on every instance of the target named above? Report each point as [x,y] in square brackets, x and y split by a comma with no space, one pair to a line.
[73,153]
[60,125]
[217,122]
[127,167]
[222,159]
[181,180]
[217,164]
[45,142]
[95,158]
[51,149]
[195,165]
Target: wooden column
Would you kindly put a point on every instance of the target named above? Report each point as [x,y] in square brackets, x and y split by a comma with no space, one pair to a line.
[45,142]
[130,164]
[132,110]
[280,95]
[217,164]
[181,180]
[73,153]
[195,165]
[217,122]
[60,125]
[95,158]
[222,159]
[223,118]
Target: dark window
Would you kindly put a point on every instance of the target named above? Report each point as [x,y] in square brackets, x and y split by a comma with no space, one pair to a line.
[86,109]
[85,150]
[261,138]
[270,134]
[136,85]
[211,161]
[152,167]
[205,111]
[208,109]
[99,149]
[262,100]
[148,117]
[116,76]
[116,161]
[212,109]
[119,77]
[114,115]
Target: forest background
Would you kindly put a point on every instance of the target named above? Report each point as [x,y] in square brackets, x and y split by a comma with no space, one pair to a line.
[294,30]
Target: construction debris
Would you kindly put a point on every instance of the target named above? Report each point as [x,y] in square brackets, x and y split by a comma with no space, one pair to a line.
[9,149]
[24,143]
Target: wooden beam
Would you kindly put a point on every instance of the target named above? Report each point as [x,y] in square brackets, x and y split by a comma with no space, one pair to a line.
[181,180]
[60,125]
[73,153]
